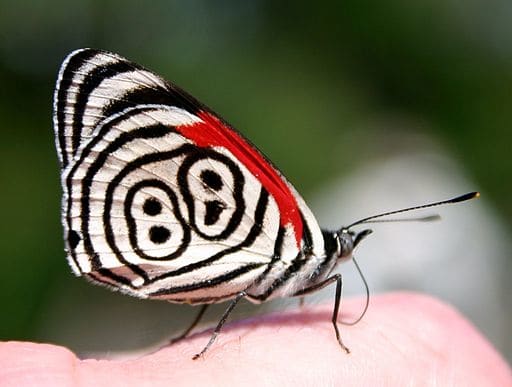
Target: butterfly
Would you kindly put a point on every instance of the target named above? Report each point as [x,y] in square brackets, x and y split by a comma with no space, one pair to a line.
[163,199]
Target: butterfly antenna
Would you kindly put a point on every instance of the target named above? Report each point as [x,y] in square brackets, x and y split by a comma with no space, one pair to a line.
[458,199]
[367,296]
[428,218]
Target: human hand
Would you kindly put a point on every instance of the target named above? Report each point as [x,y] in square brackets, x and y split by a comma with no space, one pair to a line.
[404,339]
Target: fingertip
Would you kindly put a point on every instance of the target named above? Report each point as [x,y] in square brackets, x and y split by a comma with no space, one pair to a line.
[404,338]
[26,364]
[430,340]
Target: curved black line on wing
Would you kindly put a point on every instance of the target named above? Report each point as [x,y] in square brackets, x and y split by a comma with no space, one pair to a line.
[276,257]
[169,94]
[297,264]
[91,82]
[146,132]
[251,237]
[249,240]
[209,283]
[74,63]
[109,195]
[99,136]
[307,237]
[188,196]
[147,95]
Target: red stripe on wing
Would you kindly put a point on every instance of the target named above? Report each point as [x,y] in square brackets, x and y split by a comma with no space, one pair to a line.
[212,132]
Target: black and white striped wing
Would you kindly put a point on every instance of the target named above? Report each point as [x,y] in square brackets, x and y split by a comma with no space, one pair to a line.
[160,196]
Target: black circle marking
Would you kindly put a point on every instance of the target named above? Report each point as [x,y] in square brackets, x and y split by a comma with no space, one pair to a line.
[147,132]
[152,206]
[159,234]
[212,179]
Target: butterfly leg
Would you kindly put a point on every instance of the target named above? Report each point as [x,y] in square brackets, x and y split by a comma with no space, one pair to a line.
[337,302]
[301,302]
[221,323]
[192,326]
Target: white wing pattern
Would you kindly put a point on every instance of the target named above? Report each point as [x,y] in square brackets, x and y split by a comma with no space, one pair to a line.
[163,199]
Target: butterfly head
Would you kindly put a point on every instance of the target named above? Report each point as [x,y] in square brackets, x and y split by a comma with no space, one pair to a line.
[347,240]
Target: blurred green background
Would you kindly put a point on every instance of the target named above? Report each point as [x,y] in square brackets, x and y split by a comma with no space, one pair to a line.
[310,85]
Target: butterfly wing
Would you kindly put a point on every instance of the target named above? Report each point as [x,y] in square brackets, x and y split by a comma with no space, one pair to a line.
[161,197]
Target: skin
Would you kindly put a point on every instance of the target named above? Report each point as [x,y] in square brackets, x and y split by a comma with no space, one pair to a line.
[404,339]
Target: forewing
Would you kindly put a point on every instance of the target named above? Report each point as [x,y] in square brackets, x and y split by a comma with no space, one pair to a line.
[94,85]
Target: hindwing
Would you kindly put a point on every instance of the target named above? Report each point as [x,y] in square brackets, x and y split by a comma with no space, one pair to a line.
[161,197]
